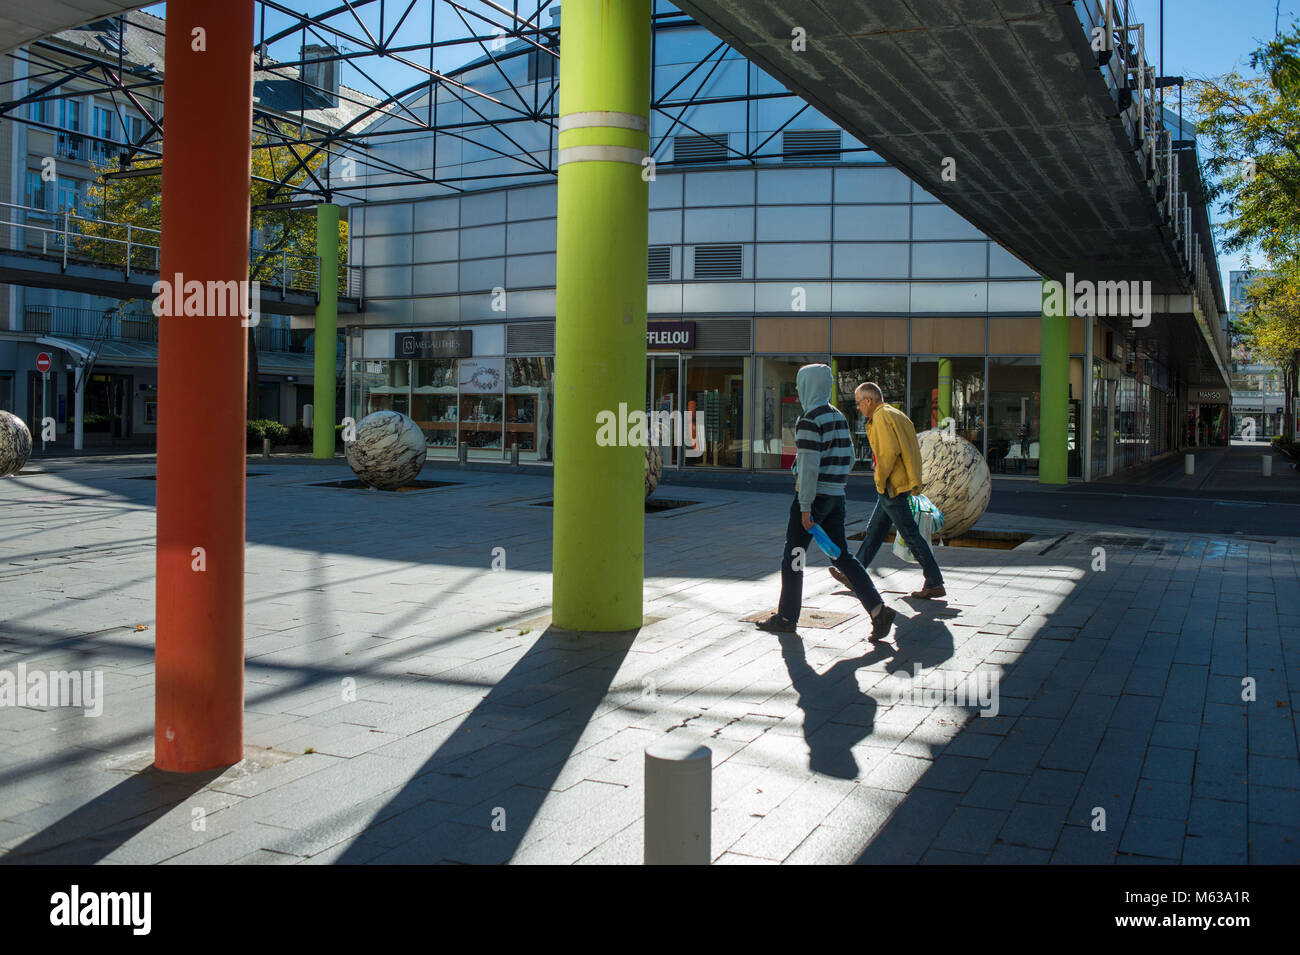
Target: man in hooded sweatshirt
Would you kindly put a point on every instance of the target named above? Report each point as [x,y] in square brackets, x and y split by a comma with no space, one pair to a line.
[822,464]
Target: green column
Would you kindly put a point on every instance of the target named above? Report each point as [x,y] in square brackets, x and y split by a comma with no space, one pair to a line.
[1054,400]
[945,389]
[327,320]
[600,312]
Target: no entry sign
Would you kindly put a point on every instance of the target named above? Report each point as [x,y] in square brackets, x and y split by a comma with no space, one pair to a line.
[43,362]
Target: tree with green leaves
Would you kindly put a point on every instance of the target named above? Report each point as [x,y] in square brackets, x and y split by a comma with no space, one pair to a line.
[1252,124]
[284,240]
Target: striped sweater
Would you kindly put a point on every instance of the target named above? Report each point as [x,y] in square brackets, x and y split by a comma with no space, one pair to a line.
[825,454]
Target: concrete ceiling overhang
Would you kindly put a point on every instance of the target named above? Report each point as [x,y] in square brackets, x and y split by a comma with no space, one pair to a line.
[23,23]
[1010,89]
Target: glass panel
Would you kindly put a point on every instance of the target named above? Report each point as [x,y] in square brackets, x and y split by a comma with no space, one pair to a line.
[944,387]
[715,399]
[482,405]
[890,374]
[1013,415]
[530,403]
[662,399]
[776,409]
[434,402]
[386,386]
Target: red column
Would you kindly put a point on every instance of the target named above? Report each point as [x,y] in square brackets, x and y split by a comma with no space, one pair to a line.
[207,123]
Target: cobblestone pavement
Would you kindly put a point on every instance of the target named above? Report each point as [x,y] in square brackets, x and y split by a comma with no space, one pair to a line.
[480,734]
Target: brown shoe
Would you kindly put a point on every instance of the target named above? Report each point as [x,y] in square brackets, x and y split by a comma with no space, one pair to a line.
[927,593]
[776,623]
[840,576]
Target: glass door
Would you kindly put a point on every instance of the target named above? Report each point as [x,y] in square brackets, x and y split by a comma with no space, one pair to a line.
[664,404]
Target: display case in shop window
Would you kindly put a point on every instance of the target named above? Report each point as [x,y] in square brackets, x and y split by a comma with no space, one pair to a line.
[526,422]
[480,421]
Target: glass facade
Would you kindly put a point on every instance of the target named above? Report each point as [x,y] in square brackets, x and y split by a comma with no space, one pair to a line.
[1013,415]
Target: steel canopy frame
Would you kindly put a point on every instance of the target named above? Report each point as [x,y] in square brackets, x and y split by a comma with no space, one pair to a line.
[360,33]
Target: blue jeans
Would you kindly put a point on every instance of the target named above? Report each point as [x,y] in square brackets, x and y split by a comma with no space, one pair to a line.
[897,512]
[827,511]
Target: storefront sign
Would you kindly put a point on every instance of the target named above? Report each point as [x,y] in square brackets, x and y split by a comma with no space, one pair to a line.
[1212,397]
[670,335]
[453,343]
[484,376]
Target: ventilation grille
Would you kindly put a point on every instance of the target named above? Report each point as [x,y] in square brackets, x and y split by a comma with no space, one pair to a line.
[726,334]
[531,338]
[661,263]
[717,262]
[698,149]
[811,145]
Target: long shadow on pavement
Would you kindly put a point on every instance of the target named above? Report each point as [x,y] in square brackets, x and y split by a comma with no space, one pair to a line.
[822,696]
[478,795]
[91,832]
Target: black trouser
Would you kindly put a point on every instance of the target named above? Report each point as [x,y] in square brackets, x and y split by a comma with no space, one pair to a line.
[827,511]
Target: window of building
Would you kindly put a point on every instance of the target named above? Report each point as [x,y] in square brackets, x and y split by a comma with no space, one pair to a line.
[67,195]
[948,388]
[1014,393]
[850,371]
[777,409]
[541,66]
[38,196]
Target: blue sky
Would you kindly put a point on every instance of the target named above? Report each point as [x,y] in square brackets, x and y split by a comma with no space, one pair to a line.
[1203,39]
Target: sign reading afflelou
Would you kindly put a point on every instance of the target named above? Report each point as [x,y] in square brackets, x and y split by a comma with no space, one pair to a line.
[670,335]
[443,344]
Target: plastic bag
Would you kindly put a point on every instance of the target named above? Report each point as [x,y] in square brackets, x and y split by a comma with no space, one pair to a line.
[929,521]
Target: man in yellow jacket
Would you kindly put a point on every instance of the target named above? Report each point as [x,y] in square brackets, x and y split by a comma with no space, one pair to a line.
[898,475]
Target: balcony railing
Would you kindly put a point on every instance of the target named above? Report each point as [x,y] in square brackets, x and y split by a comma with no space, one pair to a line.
[84,240]
[65,321]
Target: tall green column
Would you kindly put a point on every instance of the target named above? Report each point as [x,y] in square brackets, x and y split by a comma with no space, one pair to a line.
[945,390]
[1054,388]
[600,313]
[327,321]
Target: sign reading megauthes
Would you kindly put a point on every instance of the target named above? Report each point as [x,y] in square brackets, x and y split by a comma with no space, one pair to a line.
[450,343]
[661,335]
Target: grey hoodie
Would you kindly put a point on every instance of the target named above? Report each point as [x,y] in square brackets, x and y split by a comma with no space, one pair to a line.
[821,462]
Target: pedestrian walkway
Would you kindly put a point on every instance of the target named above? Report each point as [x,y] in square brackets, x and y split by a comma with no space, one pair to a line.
[405,702]
[1236,468]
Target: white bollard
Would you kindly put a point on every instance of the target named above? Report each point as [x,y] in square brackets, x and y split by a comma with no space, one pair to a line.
[1189,464]
[307,415]
[266,447]
[1268,465]
[678,802]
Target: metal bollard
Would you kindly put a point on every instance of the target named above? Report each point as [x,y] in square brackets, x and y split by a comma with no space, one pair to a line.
[308,416]
[462,453]
[266,447]
[514,455]
[1189,464]
[1268,465]
[678,802]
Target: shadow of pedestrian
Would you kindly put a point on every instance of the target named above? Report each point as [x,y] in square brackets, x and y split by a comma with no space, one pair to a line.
[837,715]
[922,639]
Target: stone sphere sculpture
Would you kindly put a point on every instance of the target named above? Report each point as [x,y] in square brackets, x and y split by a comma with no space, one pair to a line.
[654,468]
[956,477]
[389,450]
[15,443]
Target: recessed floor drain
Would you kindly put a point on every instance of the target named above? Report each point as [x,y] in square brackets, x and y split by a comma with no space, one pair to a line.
[357,485]
[658,504]
[154,477]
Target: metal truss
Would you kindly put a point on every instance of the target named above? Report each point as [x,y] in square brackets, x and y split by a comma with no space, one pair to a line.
[402,39]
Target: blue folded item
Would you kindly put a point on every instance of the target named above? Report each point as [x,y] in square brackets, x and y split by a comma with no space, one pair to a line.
[824,542]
